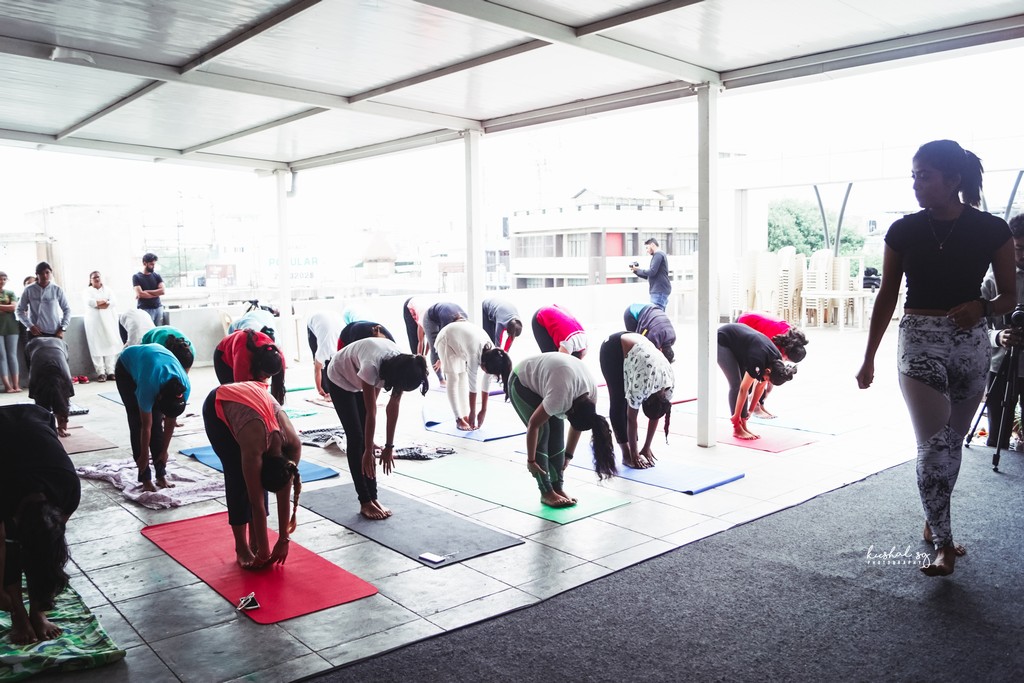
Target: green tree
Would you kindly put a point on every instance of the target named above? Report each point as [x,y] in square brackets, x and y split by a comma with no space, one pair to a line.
[794,223]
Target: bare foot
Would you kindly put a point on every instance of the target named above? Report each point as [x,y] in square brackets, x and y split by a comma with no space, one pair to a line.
[741,433]
[371,511]
[63,432]
[43,627]
[15,390]
[376,504]
[565,495]
[944,564]
[637,463]
[163,483]
[463,424]
[762,413]
[148,486]
[22,632]
[958,548]
[556,501]
[245,557]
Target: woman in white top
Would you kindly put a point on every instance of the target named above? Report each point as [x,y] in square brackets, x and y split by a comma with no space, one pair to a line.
[463,349]
[355,377]
[133,325]
[544,390]
[101,327]
[638,375]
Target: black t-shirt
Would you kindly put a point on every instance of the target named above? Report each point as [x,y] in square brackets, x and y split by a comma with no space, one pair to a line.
[147,281]
[754,351]
[33,460]
[654,323]
[937,278]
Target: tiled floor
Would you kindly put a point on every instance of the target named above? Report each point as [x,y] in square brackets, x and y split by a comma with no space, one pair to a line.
[174,627]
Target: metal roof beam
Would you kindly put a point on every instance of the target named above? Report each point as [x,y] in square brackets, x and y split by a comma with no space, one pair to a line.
[553,32]
[122,149]
[589,107]
[205,79]
[448,70]
[255,129]
[635,15]
[378,149]
[921,44]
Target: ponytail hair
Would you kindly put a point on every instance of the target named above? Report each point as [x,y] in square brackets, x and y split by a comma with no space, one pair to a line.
[266,361]
[497,362]
[792,343]
[44,551]
[182,350]
[405,372]
[658,405]
[171,399]
[275,473]
[583,417]
[782,371]
[951,160]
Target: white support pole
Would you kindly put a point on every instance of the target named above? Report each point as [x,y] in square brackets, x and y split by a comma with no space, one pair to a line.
[286,329]
[475,262]
[707,271]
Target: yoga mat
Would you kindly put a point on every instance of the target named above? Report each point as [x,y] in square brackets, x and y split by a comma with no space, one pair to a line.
[825,424]
[499,423]
[307,470]
[112,396]
[190,486]
[83,645]
[772,440]
[670,473]
[414,527]
[508,485]
[322,402]
[305,583]
[81,440]
[76,409]
[291,389]
[295,413]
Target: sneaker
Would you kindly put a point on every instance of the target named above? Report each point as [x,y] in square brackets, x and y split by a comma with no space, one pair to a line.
[82,379]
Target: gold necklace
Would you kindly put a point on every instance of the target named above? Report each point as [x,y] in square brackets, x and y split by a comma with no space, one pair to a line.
[948,235]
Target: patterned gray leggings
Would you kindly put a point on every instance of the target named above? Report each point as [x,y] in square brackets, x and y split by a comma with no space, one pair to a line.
[942,376]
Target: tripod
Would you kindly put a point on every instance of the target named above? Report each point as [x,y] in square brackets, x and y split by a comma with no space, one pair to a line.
[1008,374]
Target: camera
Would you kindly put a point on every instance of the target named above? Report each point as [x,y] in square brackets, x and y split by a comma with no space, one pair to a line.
[1017,317]
[634,264]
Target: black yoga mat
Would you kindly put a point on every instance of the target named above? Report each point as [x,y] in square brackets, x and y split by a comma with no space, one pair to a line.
[414,528]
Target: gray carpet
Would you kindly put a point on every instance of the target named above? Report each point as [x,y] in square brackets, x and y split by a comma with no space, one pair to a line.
[789,597]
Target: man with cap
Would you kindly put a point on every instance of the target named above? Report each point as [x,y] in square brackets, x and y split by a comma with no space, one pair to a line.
[149,287]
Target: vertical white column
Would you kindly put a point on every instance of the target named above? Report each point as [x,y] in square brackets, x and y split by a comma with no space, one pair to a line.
[286,335]
[476,264]
[707,270]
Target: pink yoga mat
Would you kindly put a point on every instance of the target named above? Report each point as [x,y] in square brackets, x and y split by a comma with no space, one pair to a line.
[773,440]
[305,583]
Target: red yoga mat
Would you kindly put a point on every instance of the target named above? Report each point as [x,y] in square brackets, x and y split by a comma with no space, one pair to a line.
[773,439]
[305,583]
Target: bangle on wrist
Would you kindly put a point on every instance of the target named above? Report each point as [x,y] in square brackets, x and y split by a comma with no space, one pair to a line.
[388,445]
[531,461]
[568,456]
[986,307]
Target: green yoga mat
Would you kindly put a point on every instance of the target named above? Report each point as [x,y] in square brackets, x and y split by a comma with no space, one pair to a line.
[83,645]
[508,485]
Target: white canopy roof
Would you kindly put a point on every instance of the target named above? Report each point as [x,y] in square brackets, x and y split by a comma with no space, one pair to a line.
[295,84]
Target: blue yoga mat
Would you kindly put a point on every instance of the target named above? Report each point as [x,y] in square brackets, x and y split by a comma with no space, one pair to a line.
[669,473]
[112,396]
[307,470]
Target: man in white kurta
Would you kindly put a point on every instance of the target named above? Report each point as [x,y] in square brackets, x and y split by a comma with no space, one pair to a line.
[101,331]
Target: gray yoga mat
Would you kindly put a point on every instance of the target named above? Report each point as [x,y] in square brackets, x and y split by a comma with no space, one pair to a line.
[414,528]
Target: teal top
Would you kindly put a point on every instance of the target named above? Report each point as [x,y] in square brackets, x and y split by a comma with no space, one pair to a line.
[159,335]
[8,322]
[151,366]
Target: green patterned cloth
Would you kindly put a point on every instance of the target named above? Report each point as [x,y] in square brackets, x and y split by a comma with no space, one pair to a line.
[83,645]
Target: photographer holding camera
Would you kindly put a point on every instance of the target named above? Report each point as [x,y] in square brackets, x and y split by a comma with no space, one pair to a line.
[1005,331]
[657,275]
